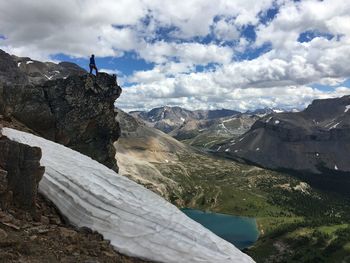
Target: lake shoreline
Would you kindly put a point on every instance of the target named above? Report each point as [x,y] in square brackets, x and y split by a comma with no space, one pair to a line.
[241,231]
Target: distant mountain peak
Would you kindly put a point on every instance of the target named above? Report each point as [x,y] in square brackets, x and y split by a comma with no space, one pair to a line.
[24,70]
[168,118]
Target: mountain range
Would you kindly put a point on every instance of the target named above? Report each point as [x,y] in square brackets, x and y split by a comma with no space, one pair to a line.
[314,143]
[201,128]
[168,118]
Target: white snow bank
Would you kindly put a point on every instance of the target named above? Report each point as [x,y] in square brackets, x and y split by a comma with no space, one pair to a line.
[29,62]
[137,221]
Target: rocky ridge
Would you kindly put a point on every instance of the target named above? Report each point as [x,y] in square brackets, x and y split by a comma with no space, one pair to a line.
[208,133]
[77,112]
[23,70]
[314,142]
[168,118]
[200,128]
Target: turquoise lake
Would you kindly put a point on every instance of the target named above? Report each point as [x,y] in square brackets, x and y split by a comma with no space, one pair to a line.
[240,231]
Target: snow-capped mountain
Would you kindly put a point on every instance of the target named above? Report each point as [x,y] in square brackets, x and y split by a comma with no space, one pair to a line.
[167,118]
[264,111]
[136,221]
[206,133]
[202,128]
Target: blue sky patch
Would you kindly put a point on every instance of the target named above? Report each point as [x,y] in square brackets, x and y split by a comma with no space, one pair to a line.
[126,64]
[326,88]
[268,15]
[253,53]
[309,35]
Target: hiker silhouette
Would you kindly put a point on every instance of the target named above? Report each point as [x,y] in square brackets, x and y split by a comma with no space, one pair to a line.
[92,64]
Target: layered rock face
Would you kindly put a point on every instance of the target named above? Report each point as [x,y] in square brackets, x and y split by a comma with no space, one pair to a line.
[315,141]
[20,173]
[77,112]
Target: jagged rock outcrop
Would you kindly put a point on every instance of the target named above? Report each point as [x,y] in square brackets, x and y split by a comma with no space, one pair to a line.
[77,112]
[23,70]
[315,141]
[20,173]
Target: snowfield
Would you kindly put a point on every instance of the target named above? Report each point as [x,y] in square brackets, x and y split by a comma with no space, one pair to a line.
[137,222]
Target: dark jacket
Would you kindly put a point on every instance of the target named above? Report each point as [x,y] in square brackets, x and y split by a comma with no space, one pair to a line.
[92,60]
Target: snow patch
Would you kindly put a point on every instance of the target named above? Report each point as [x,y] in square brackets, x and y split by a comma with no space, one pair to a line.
[277,111]
[277,121]
[347,108]
[335,167]
[228,149]
[334,126]
[19,64]
[224,121]
[219,148]
[257,149]
[223,126]
[182,119]
[29,62]
[269,119]
[48,77]
[242,139]
[137,221]
[329,124]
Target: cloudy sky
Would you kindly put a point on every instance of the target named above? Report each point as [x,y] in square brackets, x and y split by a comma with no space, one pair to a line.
[236,54]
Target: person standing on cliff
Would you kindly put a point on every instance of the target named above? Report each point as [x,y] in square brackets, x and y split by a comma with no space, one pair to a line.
[93,64]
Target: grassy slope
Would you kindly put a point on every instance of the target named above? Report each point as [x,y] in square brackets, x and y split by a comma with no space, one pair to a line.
[292,223]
